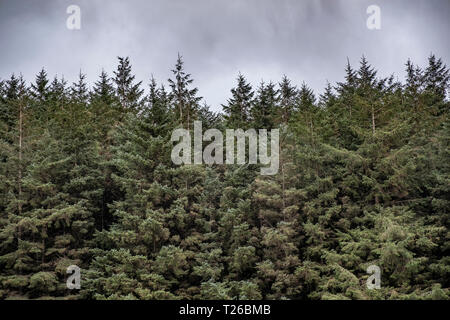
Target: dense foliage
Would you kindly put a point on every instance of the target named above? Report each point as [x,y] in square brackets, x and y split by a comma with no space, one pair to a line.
[86,178]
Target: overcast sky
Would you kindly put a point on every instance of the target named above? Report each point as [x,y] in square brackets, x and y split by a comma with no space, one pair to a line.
[308,40]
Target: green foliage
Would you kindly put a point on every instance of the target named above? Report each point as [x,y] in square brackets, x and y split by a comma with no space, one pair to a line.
[86,179]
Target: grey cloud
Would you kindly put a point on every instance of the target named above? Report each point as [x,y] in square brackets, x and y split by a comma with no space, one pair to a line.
[306,40]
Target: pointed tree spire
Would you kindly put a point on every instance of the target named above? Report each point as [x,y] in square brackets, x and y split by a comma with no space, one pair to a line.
[265,106]
[238,107]
[288,97]
[128,91]
[184,98]
[40,89]
[437,77]
[327,98]
[366,74]
[103,89]
[79,90]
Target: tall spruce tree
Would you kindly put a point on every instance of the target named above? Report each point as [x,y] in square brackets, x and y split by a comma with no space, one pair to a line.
[184,99]
[128,92]
[265,107]
[237,109]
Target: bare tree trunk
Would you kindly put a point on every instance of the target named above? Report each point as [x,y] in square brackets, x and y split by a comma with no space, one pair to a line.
[181,113]
[373,121]
[188,118]
[20,156]
[43,252]
[283,186]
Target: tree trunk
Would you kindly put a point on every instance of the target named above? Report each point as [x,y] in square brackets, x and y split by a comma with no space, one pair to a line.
[373,121]
[20,157]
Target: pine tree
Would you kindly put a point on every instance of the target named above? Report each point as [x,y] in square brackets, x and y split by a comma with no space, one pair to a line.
[140,156]
[436,83]
[105,113]
[265,107]
[79,91]
[39,89]
[278,202]
[158,109]
[58,94]
[40,94]
[436,77]
[237,109]
[414,81]
[14,141]
[184,99]
[288,99]
[128,92]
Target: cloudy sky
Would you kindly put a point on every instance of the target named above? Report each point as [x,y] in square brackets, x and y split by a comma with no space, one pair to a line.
[308,40]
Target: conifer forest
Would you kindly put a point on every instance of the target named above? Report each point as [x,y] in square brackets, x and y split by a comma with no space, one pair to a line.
[86,179]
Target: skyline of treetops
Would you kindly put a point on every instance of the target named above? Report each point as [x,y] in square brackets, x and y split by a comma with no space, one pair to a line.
[86,179]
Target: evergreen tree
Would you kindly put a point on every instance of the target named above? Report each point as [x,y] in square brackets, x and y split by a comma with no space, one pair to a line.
[128,92]
[265,107]
[237,110]
[184,99]
[79,91]
[288,99]
[437,83]
[327,98]
[40,94]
